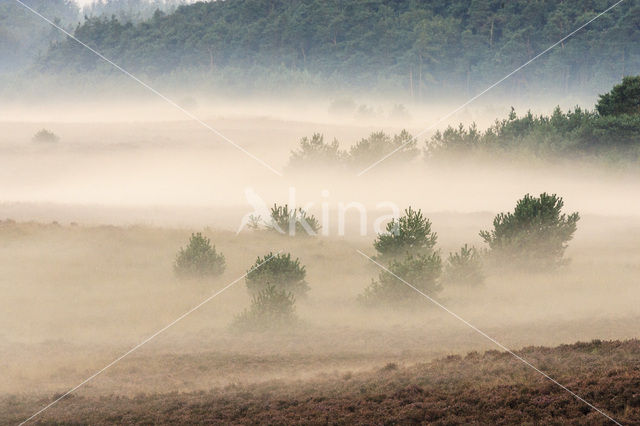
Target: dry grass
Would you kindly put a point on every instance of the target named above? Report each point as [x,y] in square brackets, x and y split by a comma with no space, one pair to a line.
[490,388]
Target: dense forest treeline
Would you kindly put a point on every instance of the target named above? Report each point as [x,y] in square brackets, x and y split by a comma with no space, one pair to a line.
[422,48]
[24,37]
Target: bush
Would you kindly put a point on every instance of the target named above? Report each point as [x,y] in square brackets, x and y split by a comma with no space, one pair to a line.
[374,148]
[315,152]
[45,135]
[624,98]
[421,271]
[410,233]
[199,258]
[293,222]
[535,235]
[464,267]
[278,271]
[271,308]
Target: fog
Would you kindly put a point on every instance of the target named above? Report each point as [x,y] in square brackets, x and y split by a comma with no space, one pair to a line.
[94,222]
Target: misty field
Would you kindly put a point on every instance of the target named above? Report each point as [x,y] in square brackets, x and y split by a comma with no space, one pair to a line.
[75,297]
[319,212]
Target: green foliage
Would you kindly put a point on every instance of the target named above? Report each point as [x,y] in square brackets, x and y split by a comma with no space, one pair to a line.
[46,136]
[372,149]
[130,10]
[409,234]
[535,235]
[606,135]
[420,271]
[277,270]
[464,267]
[315,152]
[423,48]
[562,134]
[293,222]
[624,98]
[271,308]
[453,142]
[199,258]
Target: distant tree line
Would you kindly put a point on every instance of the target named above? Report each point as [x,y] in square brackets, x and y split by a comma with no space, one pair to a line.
[611,132]
[425,48]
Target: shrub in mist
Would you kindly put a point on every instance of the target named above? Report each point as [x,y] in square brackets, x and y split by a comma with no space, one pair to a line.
[199,258]
[279,271]
[292,221]
[315,153]
[46,136]
[464,267]
[372,149]
[535,235]
[408,234]
[271,308]
[421,271]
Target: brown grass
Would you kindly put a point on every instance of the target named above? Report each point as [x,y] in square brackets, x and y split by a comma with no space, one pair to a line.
[489,388]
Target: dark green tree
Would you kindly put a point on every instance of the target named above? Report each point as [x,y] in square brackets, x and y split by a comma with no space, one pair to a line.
[535,235]
[624,98]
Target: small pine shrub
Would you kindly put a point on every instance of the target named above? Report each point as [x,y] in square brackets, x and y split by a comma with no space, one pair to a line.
[279,271]
[199,258]
[45,136]
[421,271]
[535,235]
[464,267]
[410,233]
[293,222]
[271,308]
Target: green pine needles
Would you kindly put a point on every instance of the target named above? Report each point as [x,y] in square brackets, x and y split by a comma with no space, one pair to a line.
[278,270]
[411,233]
[535,235]
[199,259]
